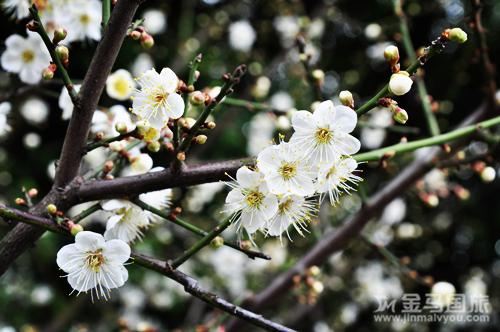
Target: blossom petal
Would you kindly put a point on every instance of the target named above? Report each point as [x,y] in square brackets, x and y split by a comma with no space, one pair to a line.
[169,80]
[113,204]
[65,256]
[252,221]
[176,104]
[348,144]
[11,61]
[345,118]
[89,241]
[302,121]
[248,178]
[324,114]
[116,251]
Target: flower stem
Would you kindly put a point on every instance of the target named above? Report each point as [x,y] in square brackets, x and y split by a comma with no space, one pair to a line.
[436,47]
[201,243]
[87,212]
[52,50]
[193,229]
[432,123]
[105,142]
[436,140]
[250,105]
[106,12]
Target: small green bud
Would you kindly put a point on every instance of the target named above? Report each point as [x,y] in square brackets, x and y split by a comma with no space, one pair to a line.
[47,74]
[400,115]
[197,98]
[154,146]
[457,35]
[391,54]
[200,139]
[121,127]
[147,41]
[52,209]
[62,52]
[59,35]
[217,242]
[346,98]
[76,229]
[318,75]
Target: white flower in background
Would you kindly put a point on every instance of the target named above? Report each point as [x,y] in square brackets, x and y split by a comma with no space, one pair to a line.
[91,263]
[373,135]
[233,269]
[375,52]
[260,132]
[65,103]
[241,35]
[374,285]
[105,122]
[288,27]
[394,212]
[281,101]
[337,177]
[120,85]
[250,200]
[324,134]
[32,140]
[373,31]
[141,163]
[201,195]
[35,110]
[292,210]
[126,223]
[435,181]
[443,293]
[157,100]
[5,108]
[285,170]
[17,8]
[160,199]
[155,21]
[400,83]
[261,87]
[27,57]
[143,62]
[82,19]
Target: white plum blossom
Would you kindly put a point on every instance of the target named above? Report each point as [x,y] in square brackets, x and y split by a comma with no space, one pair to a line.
[120,85]
[250,200]
[260,132]
[142,63]
[5,108]
[35,110]
[337,177]
[285,170]
[65,103]
[105,122]
[400,83]
[155,21]
[282,101]
[17,8]
[292,210]
[94,264]
[126,223]
[141,163]
[27,57]
[373,135]
[241,35]
[157,101]
[82,19]
[323,136]
[442,293]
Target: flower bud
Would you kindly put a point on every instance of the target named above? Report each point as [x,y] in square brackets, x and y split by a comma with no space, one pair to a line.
[314,270]
[20,201]
[211,125]
[135,35]
[117,146]
[488,174]
[346,98]
[197,98]
[181,156]
[443,294]
[400,83]
[142,163]
[121,127]
[76,229]
[47,74]
[391,54]
[400,115]
[154,146]
[217,242]
[33,192]
[200,139]
[457,35]
[62,52]
[318,75]
[317,286]
[246,245]
[147,41]
[59,35]
[52,209]
[108,166]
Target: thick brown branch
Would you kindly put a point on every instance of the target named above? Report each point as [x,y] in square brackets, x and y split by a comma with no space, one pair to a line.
[134,185]
[91,90]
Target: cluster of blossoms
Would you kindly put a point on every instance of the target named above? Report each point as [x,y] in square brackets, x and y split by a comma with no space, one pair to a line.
[316,161]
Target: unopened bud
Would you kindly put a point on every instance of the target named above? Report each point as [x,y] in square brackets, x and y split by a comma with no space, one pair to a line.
[314,270]
[52,209]
[47,74]
[33,192]
[200,139]
[154,146]
[400,83]
[245,244]
[108,166]
[211,125]
[217,242]
[75,229]
[135,35]
[197,98]
[391,54]
[62,52]
[432,200]
[318,75]
[32,25]
[400,115]
[346,98]
[317,286]
[181,156]
[457,35]
[20,201]
[59,35]
[488,174]
[121,127]
[147,41]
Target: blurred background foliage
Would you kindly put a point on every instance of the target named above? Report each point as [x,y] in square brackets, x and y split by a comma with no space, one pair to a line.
[457,241]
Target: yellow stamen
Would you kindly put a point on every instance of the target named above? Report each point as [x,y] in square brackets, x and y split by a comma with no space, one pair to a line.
[94,260]
[254,198]
[323,136]
[287,170]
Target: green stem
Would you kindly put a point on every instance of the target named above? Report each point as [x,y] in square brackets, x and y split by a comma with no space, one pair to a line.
[87,212]
[106,12]
[436,140]
[250,105]
[201,243]
[198,231]
[105,142]
[52,50]
[431,120]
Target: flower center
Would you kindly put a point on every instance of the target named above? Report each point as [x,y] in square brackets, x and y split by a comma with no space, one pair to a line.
[285,206]
[287,170]
[323,135]
[28,56]
[122,87]
[94,259]
[160,98]
[85,19]
[254,198]
[331,171]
